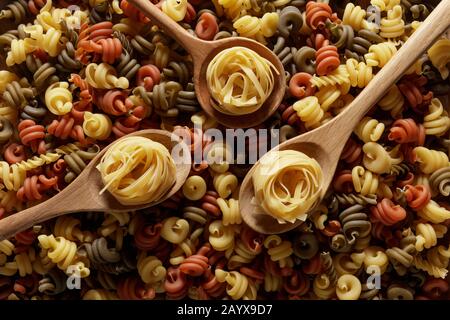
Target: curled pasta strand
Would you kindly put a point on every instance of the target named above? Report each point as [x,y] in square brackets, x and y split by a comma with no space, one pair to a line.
[278,250]
[407,131]
[34,186]
[439,57]
[147,76]
[430,160]
[412,88]
[32,134]
[369,130]
[440,181]
[437,121]
[417,196]
[393,25]
[103,76]
[380,54]
[393,102]
[65,127]
[176,284]
[300,85]
[364,181]
[114,102]
[387,212]
[207,26]
[433,212]
[317,13]
[309,111]
[230,211]
[354,16]
[327,59]
[109,49]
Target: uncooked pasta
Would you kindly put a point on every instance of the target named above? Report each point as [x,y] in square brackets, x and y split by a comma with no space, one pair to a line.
[137,170]
[239,80]
[78,80]
[287,185]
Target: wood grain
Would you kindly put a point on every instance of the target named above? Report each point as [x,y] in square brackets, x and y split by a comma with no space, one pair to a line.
[203,52]
[325,143]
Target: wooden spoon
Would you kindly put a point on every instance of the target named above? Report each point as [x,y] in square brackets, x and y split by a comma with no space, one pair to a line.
[203,52]
[82,195]
[325,143]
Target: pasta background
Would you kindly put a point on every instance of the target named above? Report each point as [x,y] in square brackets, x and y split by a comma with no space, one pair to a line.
[387,209]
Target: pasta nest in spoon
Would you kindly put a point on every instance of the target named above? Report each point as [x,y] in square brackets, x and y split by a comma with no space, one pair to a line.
[287,185]
[137,170]
[239,80]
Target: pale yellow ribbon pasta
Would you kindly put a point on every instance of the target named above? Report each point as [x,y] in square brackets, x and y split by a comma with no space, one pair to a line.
[239,80]
[287,185]
[137,170]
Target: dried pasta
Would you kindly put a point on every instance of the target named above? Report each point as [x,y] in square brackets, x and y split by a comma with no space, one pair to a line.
[280,194]
[77,80]
[239,80]
[137,170]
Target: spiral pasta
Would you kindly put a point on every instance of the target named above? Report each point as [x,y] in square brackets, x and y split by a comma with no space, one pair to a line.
[386,211]
[225,183]
[175,9]
[393,26]
[360,74]
[433,212]
[103,76]
[278,250]
[364,181]
[380,54]
[58,98]
[97,126]
[348,287]
[62,252]
[69,228]
[310,111]
[438,54]
[13,176]
[354,17]
[221,237]
[369,130]
[175,230]
[230,211]
[238,285]
[436,122]
[392,102]
[150,269]
[430,160]
[439,181]
[338,76]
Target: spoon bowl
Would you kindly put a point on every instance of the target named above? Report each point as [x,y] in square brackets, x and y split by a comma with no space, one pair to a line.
[202,52]
[252,213]
[83,194]
[325,144]
[244,120]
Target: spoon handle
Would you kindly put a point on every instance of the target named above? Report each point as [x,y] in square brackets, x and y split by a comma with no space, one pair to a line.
[432,28]
[74,199]
[170,27]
